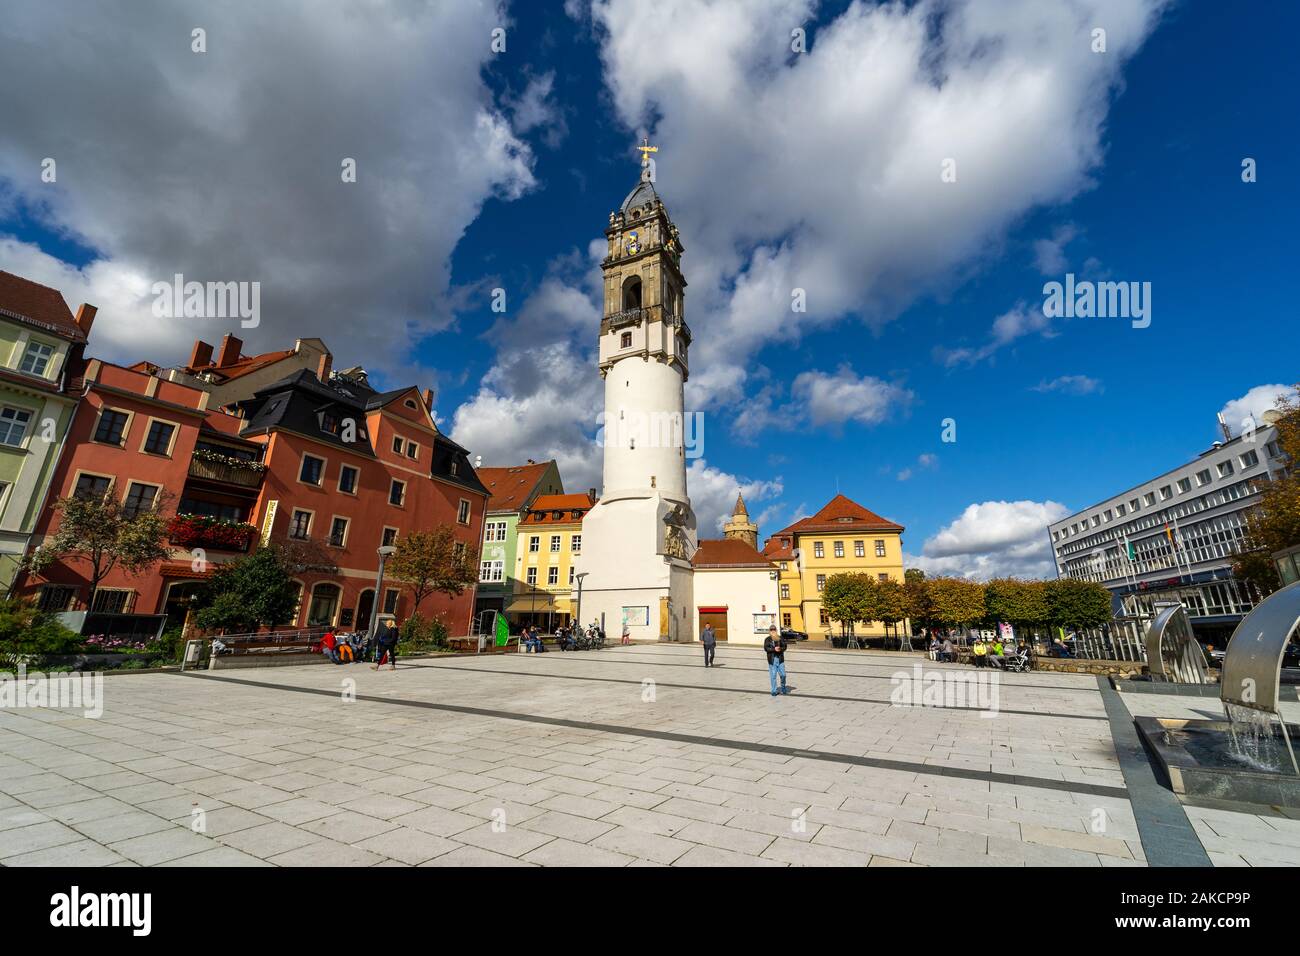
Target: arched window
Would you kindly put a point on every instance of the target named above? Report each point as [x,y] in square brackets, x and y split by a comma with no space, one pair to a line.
[324,604]
[632,292]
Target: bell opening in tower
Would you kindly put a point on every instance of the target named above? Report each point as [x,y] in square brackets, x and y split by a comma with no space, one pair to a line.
[632,293]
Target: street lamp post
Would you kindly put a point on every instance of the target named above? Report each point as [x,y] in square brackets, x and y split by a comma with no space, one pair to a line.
[577,609]
[384,552]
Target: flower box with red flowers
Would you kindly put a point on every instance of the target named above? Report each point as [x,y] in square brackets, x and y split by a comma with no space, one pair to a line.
[203,531]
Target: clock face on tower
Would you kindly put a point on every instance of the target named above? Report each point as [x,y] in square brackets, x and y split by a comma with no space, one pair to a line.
[633,243]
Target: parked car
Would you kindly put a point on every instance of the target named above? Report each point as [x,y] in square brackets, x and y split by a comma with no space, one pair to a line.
[789,634]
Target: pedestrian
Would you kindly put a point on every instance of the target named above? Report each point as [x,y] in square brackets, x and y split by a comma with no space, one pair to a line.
[627,633]
[329,646]
[775,648]
[710,642]
[387,647]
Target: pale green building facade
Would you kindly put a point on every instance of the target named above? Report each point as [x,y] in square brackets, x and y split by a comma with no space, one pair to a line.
[41,345]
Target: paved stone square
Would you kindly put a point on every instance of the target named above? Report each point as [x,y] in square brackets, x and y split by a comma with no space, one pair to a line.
[630,756]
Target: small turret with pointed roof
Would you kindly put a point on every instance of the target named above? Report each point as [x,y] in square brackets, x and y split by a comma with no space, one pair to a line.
[740,527]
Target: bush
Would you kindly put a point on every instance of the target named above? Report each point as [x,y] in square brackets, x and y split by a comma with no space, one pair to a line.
[420,636]
[28,635]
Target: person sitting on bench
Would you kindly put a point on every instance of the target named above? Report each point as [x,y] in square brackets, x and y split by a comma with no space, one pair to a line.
[329,646]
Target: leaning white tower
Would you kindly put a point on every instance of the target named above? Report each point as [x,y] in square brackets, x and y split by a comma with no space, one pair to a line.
[638,540]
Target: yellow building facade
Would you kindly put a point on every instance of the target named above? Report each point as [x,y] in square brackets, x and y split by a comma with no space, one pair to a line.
[549,542]
[842,538]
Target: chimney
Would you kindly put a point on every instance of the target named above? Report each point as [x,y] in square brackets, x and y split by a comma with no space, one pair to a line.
[202,354]
[478,461]
[428,400]
[323,367]
[86,318]
[230,349]
[531,462]
[591,495]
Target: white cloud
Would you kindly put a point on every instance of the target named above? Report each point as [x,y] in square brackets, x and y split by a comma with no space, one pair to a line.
[226,165]
[821,171]
[1253,405]
[1049,254]
[1015,323]
[1070,385]
[713,495]
[844,396]
[992,539]
[541,403]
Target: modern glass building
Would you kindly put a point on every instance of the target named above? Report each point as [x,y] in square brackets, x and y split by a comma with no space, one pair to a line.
[1174,537]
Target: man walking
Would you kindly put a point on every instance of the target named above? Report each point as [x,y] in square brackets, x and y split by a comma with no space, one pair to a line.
[775,647]
[710,642]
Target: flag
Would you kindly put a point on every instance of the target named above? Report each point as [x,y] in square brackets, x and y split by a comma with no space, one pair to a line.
[503,631]
[1170,535]
[1128,546]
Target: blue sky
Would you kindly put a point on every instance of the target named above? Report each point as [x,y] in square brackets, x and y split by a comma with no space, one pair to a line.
[483,170]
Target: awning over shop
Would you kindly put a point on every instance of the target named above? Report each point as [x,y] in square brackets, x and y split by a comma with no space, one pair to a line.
[538,604]
[183,569]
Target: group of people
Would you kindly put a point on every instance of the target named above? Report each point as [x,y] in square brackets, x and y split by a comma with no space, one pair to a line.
[566,637]
[355,648]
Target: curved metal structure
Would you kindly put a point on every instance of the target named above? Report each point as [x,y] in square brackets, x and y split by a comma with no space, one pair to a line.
[1173,653]
[1252,661]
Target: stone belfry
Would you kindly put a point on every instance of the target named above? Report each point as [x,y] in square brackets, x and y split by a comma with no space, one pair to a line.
[638,540]
[740,527]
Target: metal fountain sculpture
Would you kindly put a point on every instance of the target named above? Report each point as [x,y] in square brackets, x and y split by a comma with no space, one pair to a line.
[1236,759]
[1173,653]
[1252,663]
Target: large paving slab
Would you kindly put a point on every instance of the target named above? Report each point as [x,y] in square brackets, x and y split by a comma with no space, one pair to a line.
[627,756]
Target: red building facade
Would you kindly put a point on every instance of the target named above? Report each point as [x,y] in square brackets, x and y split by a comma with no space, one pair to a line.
[335,466]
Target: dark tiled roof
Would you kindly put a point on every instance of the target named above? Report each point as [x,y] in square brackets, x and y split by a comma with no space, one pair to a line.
[447,453]
[300,403]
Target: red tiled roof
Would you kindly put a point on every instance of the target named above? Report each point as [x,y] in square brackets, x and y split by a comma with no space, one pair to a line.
[242,366]
[841,516]
[512,485]
[38,304]
[542,510]
[728,553]
[773,550]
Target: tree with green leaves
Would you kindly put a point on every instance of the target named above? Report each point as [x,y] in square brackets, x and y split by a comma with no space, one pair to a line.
[1022,604]
[27,634]
[956,602]
[253,592]
[891,603]
[1077,604]
[433,561]
[104,534]
[1274,523]
[843,598]
[916,593]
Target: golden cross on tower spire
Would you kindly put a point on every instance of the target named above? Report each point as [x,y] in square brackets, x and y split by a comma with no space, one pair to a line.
[646,149]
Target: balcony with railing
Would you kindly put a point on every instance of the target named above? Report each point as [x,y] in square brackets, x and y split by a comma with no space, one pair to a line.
[226,469]
[211,533]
